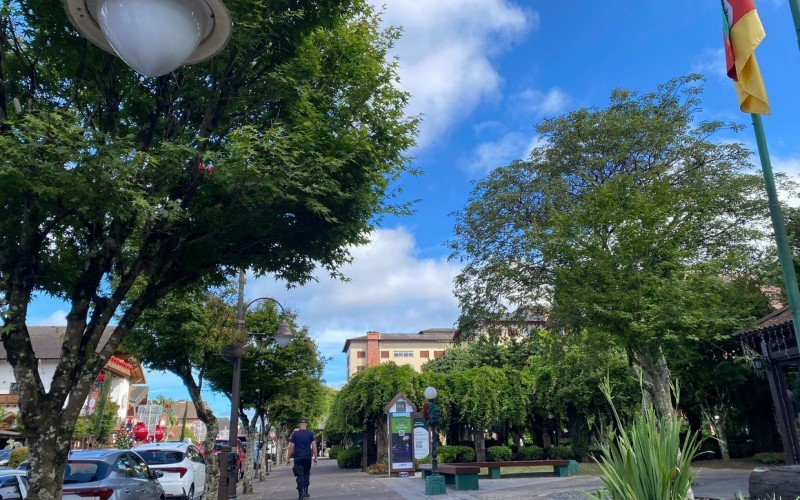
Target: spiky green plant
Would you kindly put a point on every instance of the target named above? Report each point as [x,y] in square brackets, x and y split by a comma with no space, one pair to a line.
[648,460]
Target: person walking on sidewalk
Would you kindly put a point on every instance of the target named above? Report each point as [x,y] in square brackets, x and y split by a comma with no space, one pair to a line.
[303,447]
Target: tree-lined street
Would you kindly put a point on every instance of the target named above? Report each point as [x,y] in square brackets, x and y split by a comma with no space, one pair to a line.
[216,194]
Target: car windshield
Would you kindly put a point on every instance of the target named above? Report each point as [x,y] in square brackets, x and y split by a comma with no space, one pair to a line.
[157,457]
[84,472]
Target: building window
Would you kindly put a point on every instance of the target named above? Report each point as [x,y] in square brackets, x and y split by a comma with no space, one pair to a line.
[361,354]
[424,354]
[385,354]
[403,354]
[438,354]
[359,368]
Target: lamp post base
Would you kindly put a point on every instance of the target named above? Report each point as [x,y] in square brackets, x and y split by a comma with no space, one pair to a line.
[434,485]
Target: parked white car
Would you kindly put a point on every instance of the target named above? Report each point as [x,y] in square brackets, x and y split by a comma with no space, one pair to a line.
[183,467]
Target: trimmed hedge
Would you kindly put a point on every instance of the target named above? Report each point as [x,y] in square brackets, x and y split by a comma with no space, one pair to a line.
[349,458]
[559,452]
[530,453]
[334,451]
[498,453]
[455,454]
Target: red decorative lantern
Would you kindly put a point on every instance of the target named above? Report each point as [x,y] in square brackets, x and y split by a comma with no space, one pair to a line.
[159,433]
[140,431]
[101,378]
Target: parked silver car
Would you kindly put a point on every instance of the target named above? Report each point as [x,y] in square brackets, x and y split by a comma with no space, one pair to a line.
[110,475]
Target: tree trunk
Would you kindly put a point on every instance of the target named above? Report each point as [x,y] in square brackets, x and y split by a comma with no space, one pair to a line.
[538,431]
[48,445]
[480,446]
[578,426]
[717,427]
[206,415]
[262,439]
[454,429]
[369,452]
[382,441]
[280,448]
[247,480]
[656,379]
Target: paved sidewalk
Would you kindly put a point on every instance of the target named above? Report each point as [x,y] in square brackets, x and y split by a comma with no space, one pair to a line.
[328,482]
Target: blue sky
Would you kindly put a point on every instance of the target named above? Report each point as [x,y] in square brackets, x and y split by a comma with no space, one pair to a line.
[482,74]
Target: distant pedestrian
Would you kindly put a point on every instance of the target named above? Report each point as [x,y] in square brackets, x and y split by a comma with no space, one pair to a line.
[303,447]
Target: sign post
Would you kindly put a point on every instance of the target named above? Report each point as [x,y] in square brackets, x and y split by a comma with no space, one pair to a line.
[400,427]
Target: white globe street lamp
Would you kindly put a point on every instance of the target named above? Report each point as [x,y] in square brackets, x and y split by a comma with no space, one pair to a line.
[430,393]
[154,37]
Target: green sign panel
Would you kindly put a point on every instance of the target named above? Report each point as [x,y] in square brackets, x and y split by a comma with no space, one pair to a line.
[401,452]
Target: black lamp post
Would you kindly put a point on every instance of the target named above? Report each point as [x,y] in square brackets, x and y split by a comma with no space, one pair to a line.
[433,418]
[233,353]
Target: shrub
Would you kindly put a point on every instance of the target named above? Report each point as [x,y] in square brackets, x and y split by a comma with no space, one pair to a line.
[559,452]
[17,456]
[455,454]
[648,459]
[334,451]
[530,453]
[764,458]
[349,458]
[378,468]
[465,454]
[498,453]
[446,454]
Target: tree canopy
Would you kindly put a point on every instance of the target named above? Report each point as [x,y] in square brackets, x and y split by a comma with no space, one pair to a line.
[618,224]
[106,198]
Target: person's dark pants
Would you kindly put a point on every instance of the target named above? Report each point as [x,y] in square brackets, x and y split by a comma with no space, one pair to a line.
[302,472]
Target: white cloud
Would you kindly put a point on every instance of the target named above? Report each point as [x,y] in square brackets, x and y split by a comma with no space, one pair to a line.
[789,165]
[391,289]
[490,155]
[445,53]
[711,64]
[552,102]
[57,318]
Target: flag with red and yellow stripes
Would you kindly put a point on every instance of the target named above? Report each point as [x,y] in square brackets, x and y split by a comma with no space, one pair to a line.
[743,32]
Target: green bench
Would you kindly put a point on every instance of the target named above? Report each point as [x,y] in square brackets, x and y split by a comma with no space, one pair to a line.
[462,476]
[465,476]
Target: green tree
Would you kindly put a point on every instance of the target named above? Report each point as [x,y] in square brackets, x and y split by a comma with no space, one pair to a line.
[300,115]
[98,427]
[358,407]
[280,385]
[565,377]
[485,399]
[608,220]
[184,334]
[709,363]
